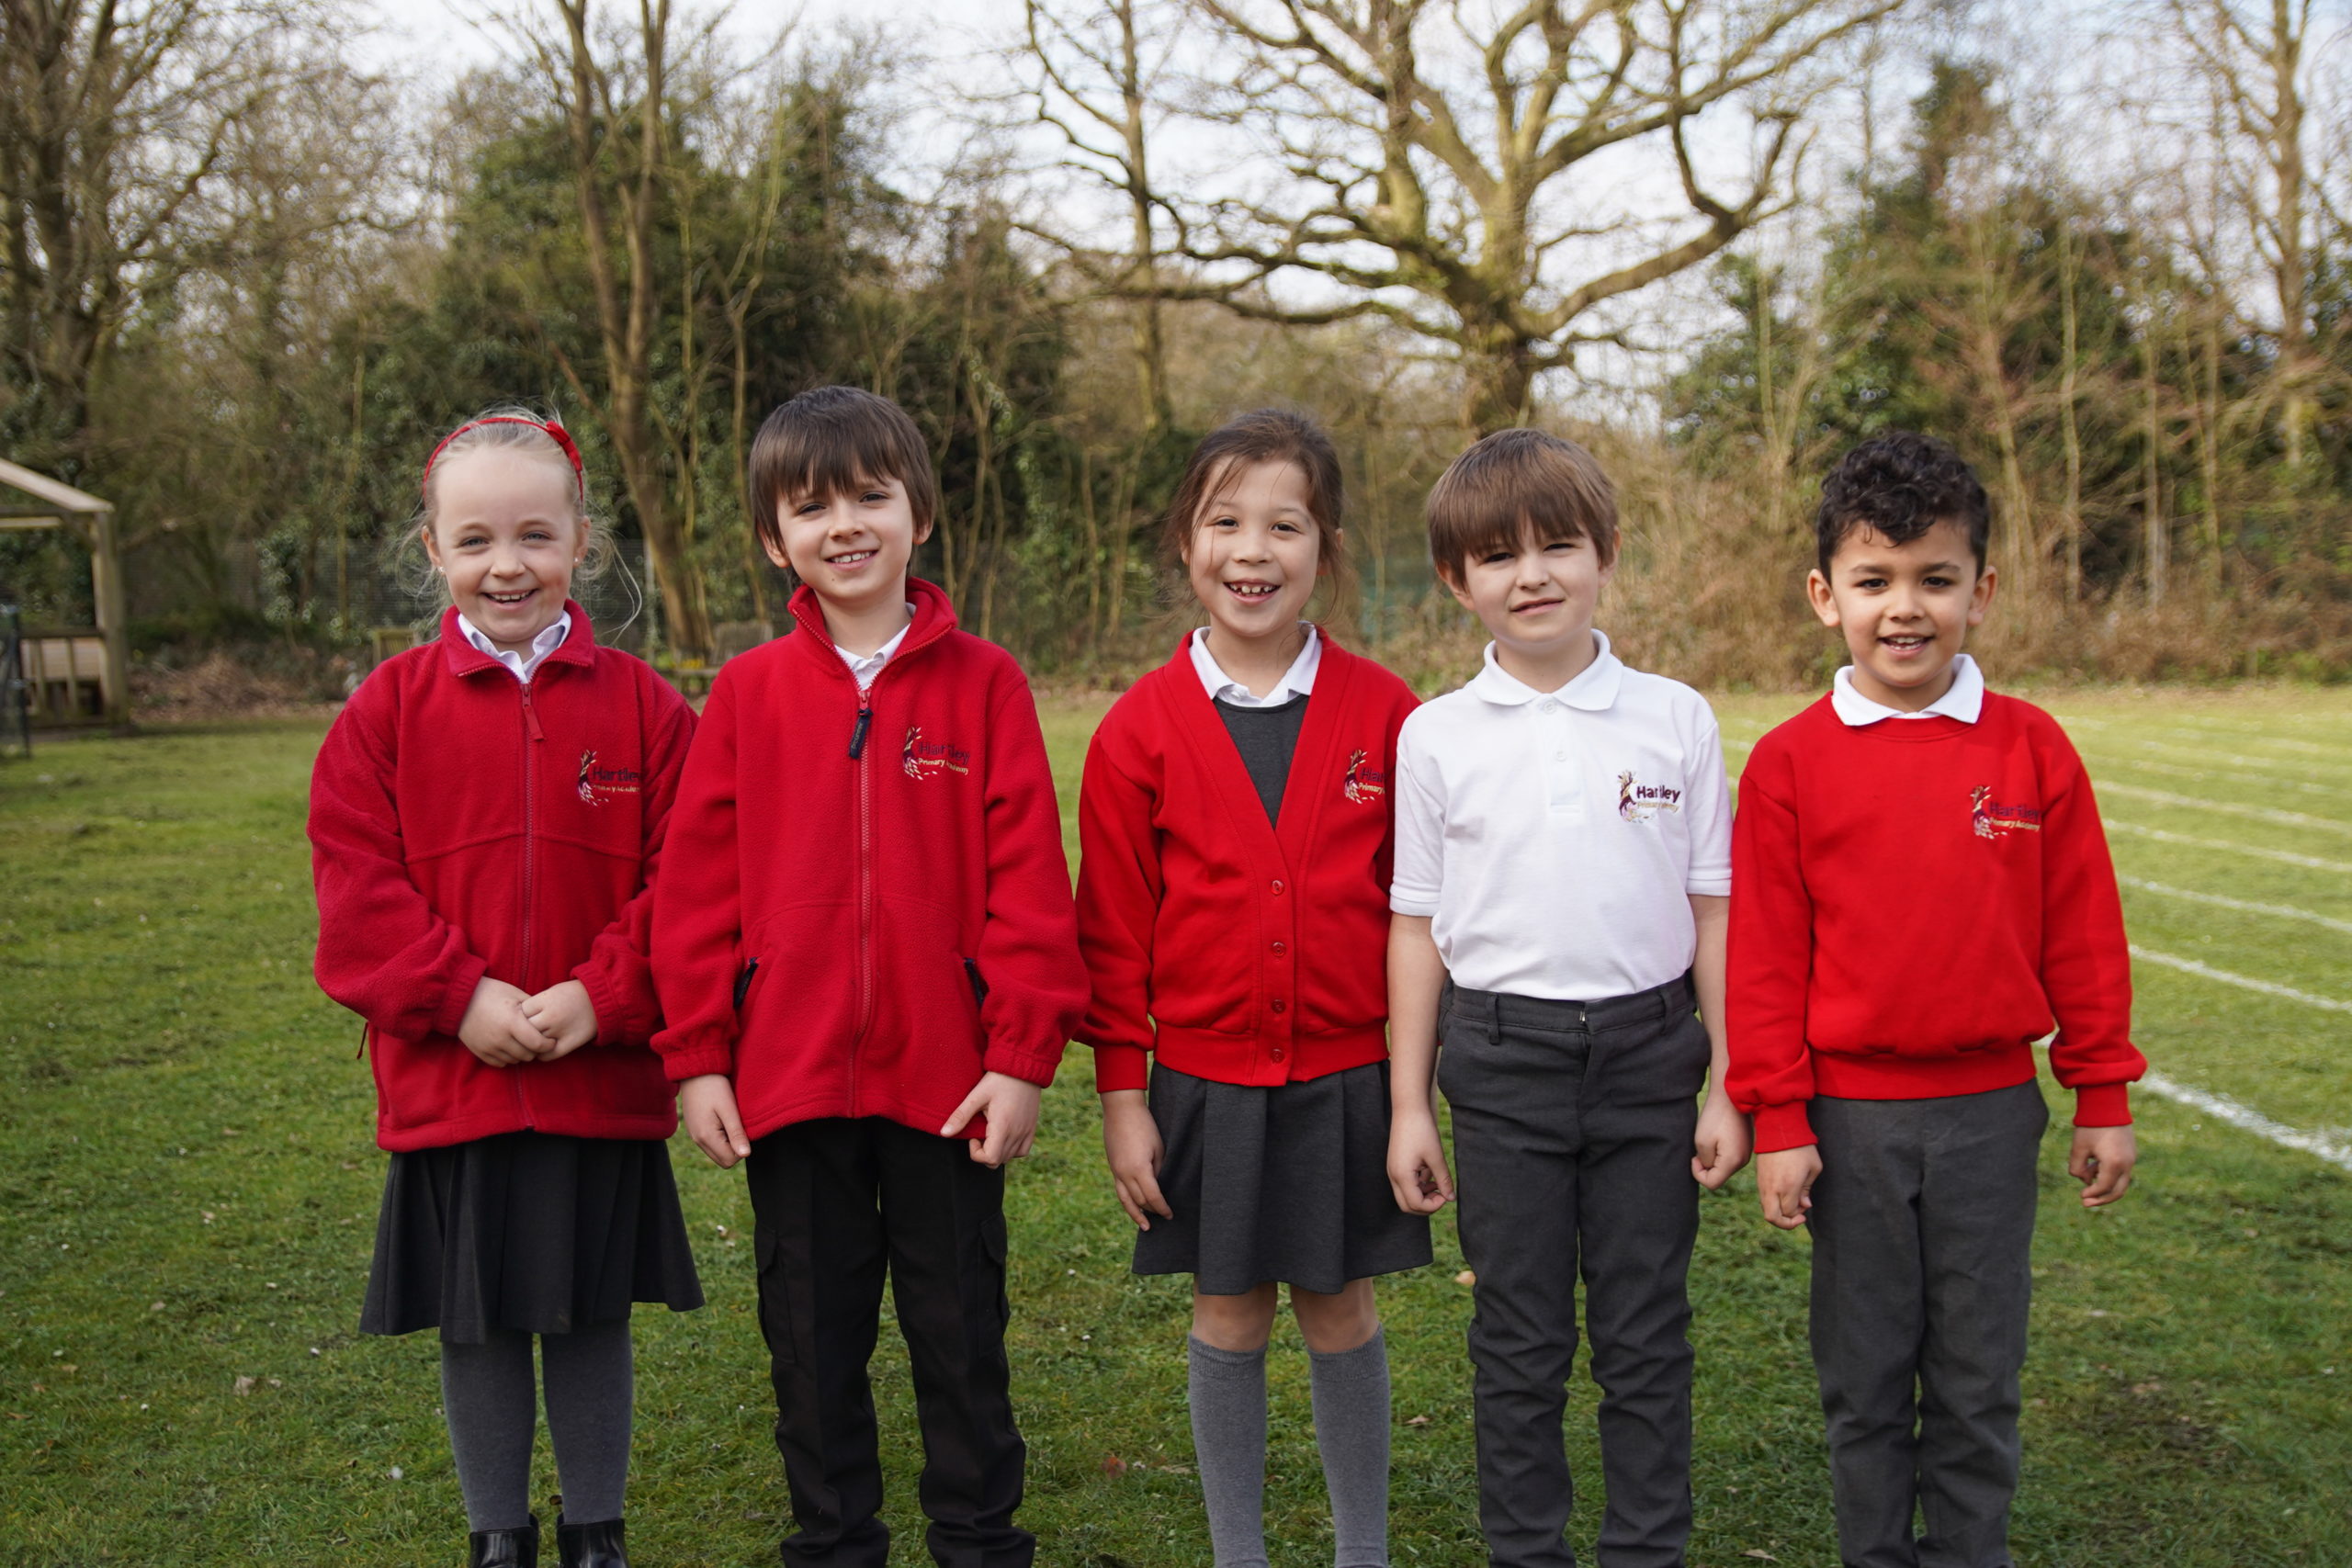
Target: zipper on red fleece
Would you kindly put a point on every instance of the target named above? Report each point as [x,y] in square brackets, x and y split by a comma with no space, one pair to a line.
[866,979]
[530,857]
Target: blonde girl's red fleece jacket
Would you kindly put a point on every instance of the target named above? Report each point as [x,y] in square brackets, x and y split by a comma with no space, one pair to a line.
[1241,951]
[865,904]
[1913,902]
[463,824]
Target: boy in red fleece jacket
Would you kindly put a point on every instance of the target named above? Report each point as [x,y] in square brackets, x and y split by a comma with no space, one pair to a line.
[1919,882]
[867,956]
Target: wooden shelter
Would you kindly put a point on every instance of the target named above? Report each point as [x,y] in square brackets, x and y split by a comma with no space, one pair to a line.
[62,661]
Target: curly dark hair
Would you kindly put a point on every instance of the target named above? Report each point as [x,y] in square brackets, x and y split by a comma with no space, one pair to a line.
[1898,486]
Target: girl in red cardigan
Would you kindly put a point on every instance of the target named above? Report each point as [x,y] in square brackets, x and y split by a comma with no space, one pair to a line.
[1233,906]
[484,819]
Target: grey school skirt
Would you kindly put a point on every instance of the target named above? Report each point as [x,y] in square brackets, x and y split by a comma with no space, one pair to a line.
[1288,1183]
[538,1232]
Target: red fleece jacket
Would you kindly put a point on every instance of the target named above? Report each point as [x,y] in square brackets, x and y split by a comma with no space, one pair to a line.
[1915,902]
[1243,952]
[463,824]
[865,904]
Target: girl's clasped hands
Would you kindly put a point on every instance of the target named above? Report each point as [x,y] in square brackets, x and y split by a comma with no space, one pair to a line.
[506,1026]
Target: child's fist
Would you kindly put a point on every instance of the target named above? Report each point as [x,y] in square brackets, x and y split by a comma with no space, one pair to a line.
[565,1015]
[1784,1181]
[1417,1174]
[2101,1161]
[1009,1104]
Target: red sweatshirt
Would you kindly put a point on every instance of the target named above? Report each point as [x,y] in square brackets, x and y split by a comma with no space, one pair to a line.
[463,824]
[1244,953]
[866,905]
[1912,902]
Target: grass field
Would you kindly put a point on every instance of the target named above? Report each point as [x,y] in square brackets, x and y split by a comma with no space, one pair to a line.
[187,1184]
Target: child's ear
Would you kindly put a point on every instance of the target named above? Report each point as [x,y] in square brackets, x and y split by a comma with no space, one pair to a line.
[1817,593]
[432,546]
[1980,598]
[1453,581]
[773,550]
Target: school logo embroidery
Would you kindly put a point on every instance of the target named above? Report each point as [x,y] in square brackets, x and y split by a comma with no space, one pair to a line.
[1366,783]
[921,757]
[1639,802]
[1991,819]
[596,782]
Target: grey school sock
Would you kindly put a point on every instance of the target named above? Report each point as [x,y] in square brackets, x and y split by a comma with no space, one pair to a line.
[591,1386]
[1352,1429]
[1228,1397]
[492,1408]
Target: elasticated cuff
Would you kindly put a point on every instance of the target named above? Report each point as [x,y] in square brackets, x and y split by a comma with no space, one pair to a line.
[612,1018]
[697,1061]
[1027,1066]
[1781,1127]
[2103,1105]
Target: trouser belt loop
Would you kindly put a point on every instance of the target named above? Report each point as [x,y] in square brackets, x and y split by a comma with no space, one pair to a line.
[1494,1018]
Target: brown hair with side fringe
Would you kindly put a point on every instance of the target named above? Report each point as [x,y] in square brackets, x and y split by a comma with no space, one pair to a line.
[1267,435]
[828,441]
[1512,484]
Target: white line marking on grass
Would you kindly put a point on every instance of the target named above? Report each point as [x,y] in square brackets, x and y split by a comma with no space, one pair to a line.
[2277,765]
[2218,775]
[2282,911]
[2221,1108]
[2335,754]
[2284,857]
[2246,981]
[2228,808]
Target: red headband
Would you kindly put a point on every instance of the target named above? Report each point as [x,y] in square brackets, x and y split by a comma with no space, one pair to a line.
[552,429]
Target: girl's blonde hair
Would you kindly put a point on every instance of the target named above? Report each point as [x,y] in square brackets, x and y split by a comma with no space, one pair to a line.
[508,427]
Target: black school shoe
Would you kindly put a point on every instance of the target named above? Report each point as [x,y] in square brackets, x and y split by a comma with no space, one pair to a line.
[505,1548]
[599,1545]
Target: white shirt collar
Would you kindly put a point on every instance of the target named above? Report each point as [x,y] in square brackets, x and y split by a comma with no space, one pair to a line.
[547,642]
[1594,689]
[865,665]
[1296,682]
[1963,700]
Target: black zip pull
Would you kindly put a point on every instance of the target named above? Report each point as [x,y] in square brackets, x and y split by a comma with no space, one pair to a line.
[857,736]
[743,983]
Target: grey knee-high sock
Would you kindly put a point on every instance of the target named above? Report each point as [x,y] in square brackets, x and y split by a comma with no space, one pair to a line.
[591,1384]
[1228,1395]
[491,1407]
[1352,1429]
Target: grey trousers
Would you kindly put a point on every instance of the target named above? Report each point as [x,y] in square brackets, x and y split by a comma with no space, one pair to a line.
[1572,1144]
[1922,1231]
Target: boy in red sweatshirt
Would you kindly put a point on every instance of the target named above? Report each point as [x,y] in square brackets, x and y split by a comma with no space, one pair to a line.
[1920,887]
[867,956]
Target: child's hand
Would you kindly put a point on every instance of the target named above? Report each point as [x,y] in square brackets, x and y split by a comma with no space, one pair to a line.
[1417,1173]
[1011,1106]
[1131,1143]
[495,1029]
[1784,1180]
[2102,1159]
[707,1105]
[1723,1142]
[565,1015]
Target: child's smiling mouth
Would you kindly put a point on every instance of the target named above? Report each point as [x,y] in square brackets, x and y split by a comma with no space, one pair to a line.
[852,558]
[1253,590]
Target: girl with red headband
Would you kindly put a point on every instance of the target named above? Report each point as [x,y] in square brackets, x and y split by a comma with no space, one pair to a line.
[485,817]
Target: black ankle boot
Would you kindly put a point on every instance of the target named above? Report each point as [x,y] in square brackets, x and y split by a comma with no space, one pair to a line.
[599,1545]
[505,1549]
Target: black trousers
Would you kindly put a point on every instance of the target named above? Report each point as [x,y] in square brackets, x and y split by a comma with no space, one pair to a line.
[838,1204]
[1922,1231]
[1572,1140]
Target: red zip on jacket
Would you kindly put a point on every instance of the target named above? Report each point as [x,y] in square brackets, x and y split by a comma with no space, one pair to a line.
[1242,951]
[866,905]
[464,824]
[1912,902]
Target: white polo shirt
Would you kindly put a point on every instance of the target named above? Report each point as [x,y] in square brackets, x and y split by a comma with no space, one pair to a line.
[1298,681]
[1554,837]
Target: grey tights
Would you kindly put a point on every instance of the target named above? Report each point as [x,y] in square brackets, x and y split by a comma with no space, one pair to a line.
[1228,1401]
[492,1410]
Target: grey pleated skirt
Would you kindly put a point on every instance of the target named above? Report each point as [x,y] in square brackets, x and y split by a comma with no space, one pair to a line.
[1288,1183]
[532,1231]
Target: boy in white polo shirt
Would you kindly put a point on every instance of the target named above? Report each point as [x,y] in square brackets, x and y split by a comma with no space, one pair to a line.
[1560,903]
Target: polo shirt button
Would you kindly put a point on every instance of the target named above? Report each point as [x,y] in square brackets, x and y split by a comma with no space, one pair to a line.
[1279,948]
[1276,1053]
[1559,756]
[1280,1005]
[1278,887]
[1546,705]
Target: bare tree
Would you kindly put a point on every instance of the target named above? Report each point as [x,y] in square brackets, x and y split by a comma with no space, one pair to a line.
[115,124]
[1097,75]
[1443,168]
[2254,58]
